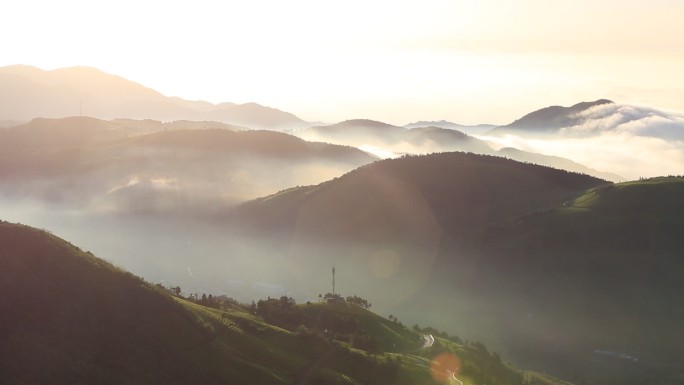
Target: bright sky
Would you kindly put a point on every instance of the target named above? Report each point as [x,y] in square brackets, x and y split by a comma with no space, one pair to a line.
[468,61]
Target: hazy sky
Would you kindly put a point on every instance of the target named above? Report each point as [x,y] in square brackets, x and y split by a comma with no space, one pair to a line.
[479,61]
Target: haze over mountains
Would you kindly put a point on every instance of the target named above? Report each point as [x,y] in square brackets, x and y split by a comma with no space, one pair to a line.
[539,255]
[470,130]
[626,140]
[369,134]
[550,119]
[387,141]
[513,252]
[93,164]
[593,135]
[28,92]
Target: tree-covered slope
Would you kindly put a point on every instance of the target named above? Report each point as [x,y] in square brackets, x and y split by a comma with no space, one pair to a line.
[446,192]
[387,223]
[594,282]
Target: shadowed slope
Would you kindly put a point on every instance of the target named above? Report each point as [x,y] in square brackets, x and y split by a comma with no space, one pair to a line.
[457,190]
[387,222]
[72,318]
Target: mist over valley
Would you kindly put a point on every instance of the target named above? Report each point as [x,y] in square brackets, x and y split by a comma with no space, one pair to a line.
[553,239]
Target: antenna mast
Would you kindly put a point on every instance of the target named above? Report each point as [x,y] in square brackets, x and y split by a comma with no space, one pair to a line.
[333,271]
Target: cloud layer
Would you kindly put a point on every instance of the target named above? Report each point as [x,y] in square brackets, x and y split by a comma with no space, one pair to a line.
[630,141]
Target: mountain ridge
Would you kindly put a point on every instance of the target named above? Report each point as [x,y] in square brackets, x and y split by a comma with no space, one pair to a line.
[395,139]
[414,169]
[81,160]
[66,91]
[549,119]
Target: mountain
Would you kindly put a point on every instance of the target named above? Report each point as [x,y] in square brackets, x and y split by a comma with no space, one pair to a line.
[120,164]
[549,119]
[386,141]
[562,272]
[43,134]
[629,141]
[453,189]
[386,222]
[470,130]
[387,138]
[74,318]
[28,92]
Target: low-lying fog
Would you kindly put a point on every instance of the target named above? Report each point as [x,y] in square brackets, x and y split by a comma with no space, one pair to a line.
[629,142]
[198,255]
[633,142]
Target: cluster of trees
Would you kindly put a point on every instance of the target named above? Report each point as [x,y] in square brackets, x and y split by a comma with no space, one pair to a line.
[331,298]
[208,300]
[285,313]
[352,300]
[358,301]
[281,311]
[326,328]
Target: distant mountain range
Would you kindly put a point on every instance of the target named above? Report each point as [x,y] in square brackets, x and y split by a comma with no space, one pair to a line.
[371,134]
[470,130]
[28,92]
[147,165]
[386,140]
[550,119]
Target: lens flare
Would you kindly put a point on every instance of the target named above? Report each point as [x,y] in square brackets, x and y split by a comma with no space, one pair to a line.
[445,367]
[385,263]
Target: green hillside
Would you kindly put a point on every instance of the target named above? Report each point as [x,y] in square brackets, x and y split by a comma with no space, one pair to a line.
[387,222]
[449,192]
[595,279]
[560,272]
[68,317]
